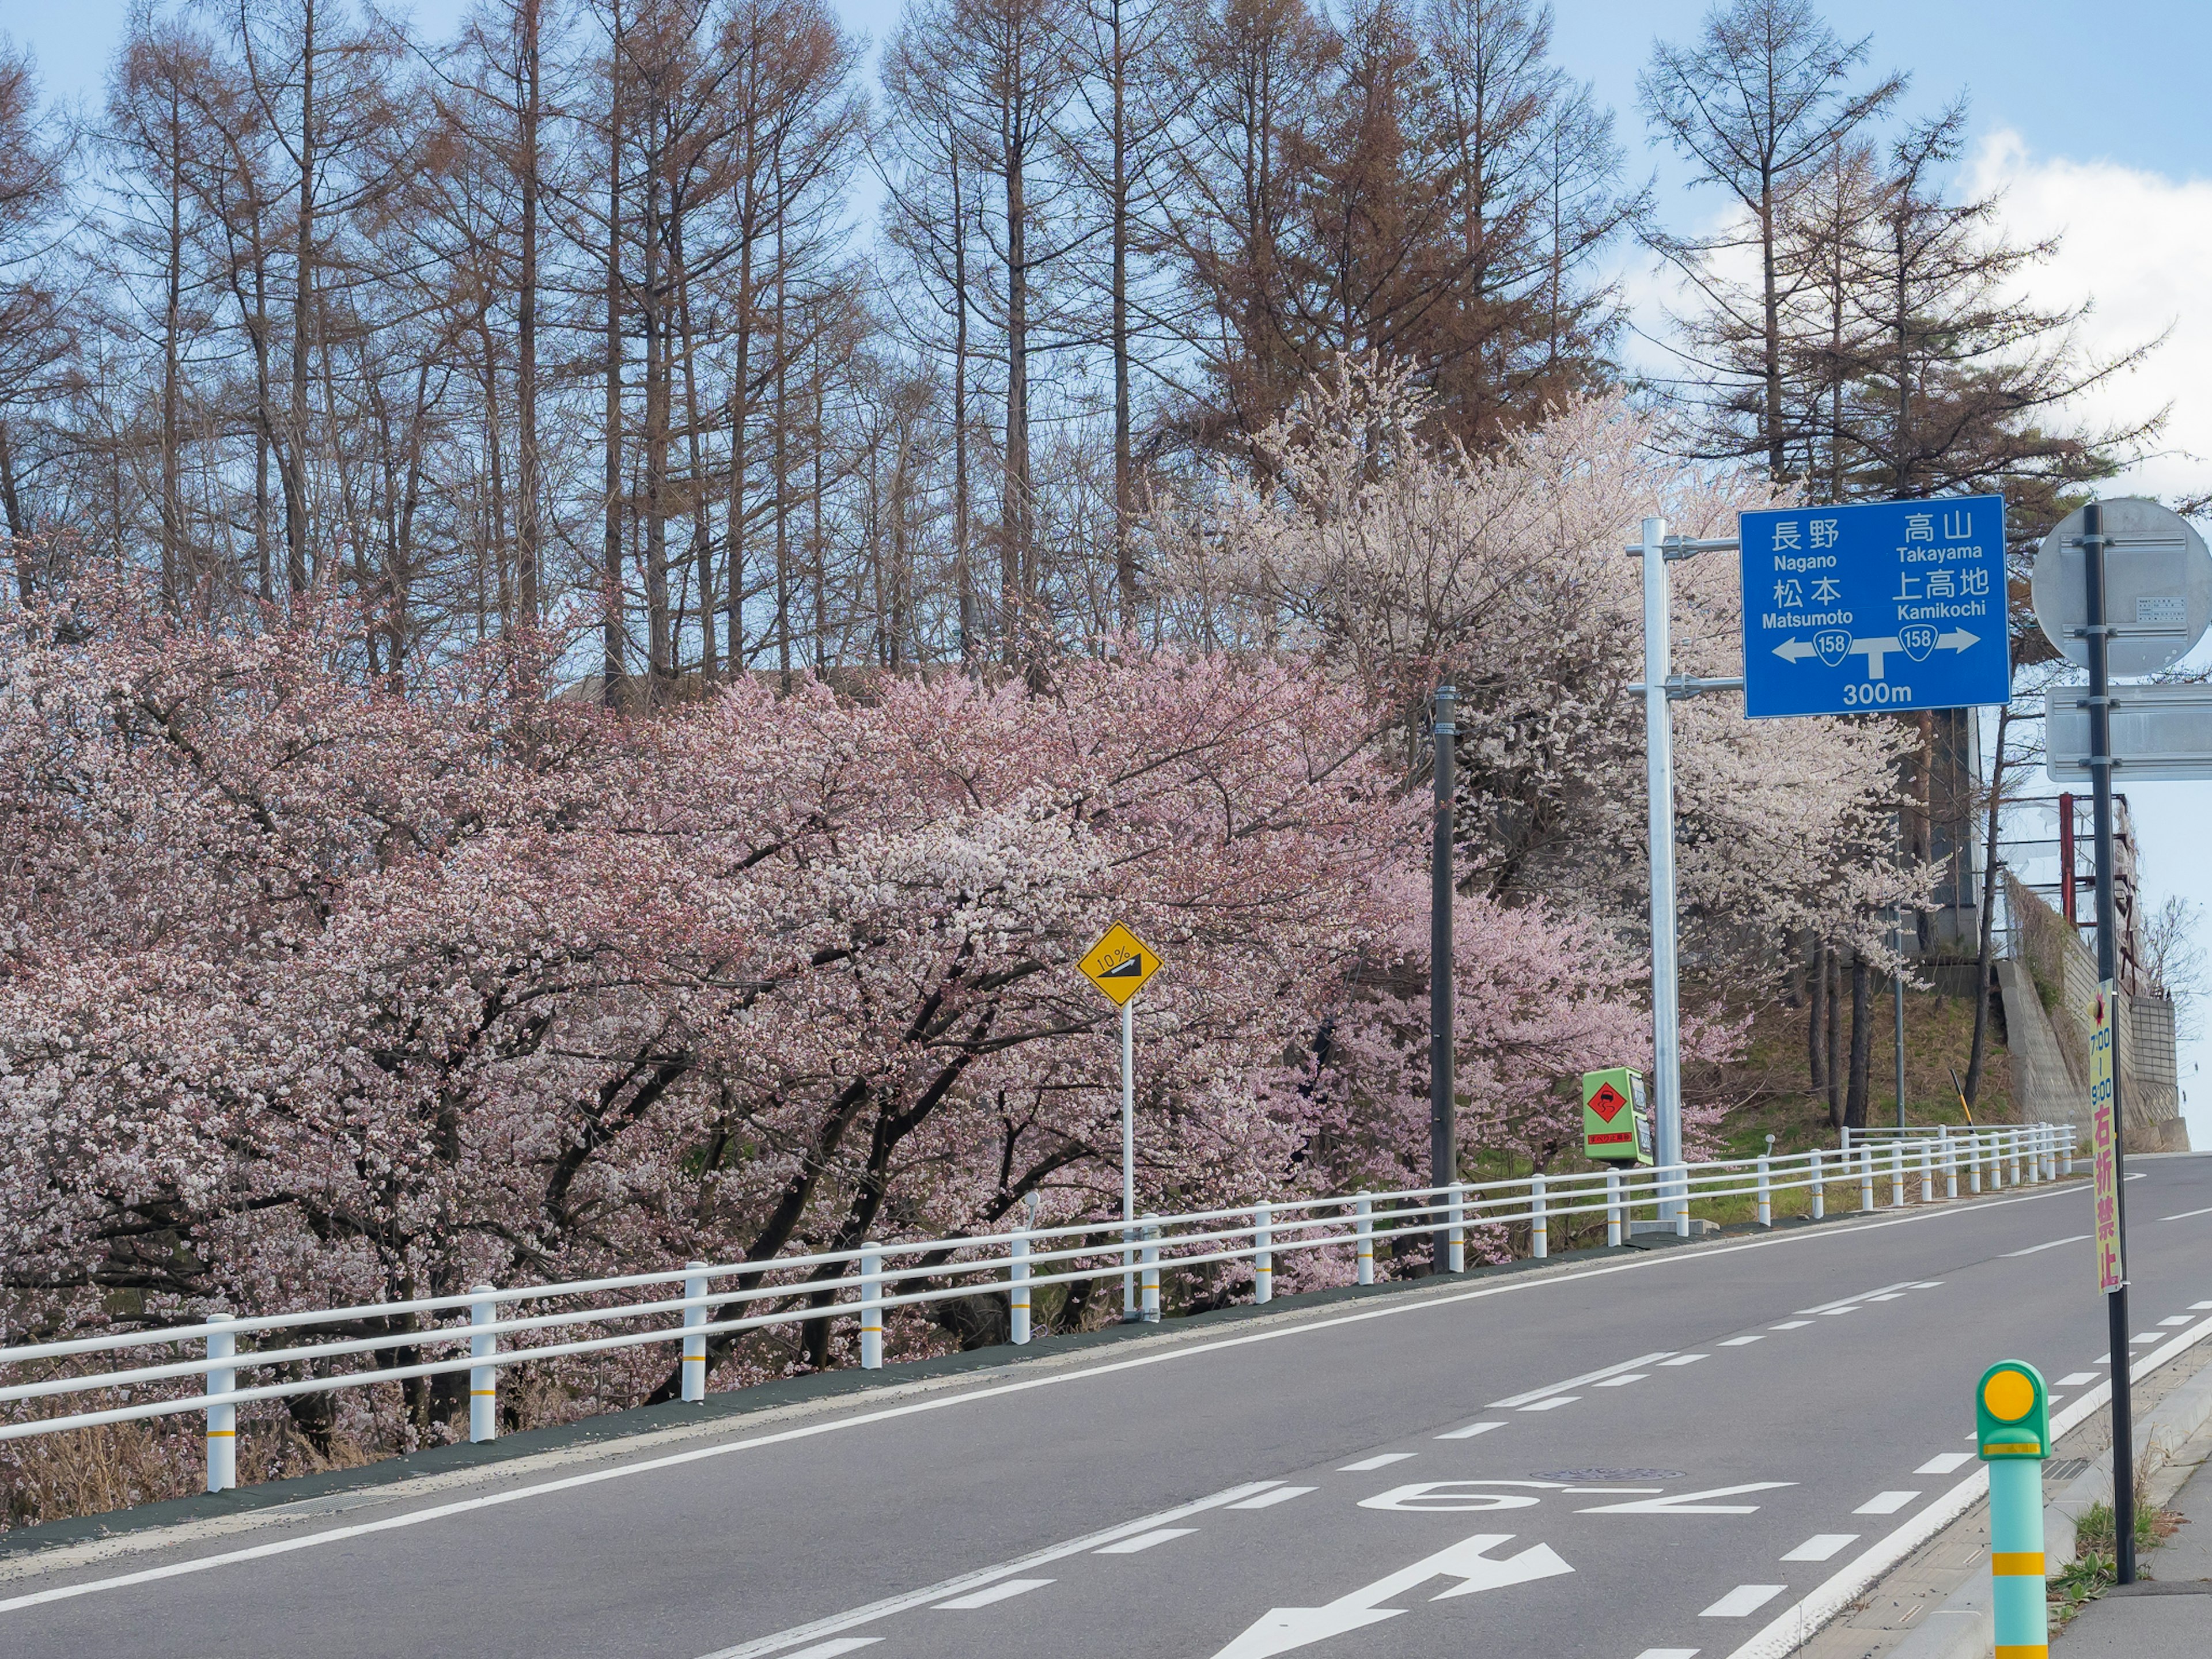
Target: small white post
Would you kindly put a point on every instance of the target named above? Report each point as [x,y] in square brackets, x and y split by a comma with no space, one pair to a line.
[2012,1157]
[1847,1145]
[1263,1253]
[1149,1259]
[1819,1192]
[1456,1214]
[483,1380]
[1539,1220]
[1612,1227]
[221,1420]
[1018,1296]
[2066,1164]
[1364,1226]
[1950,1168]
[1927,1173]
[1866,1178]
[1973,1162]
[871,1307]
[1765,1193]
[1680,1175]
[1896,1174]
[2050,1136]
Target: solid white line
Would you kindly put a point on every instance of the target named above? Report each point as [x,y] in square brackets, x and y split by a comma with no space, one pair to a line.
[1822,1547]
[1144,1541]
[1945,1463]
[1380,1460]
[1001,1592]
[842,1644]
[1508,1404]
[1553,1403]
[1623,1381]
[2185,1215]
[1657,1261]
[1469,1431]
[2032,1249]
[1846,1301]
[1685,1359]
[1743,1601]
[1268,1500]
[1791,1325]
[1782,1635]
[1885,1502]
[1670,1653]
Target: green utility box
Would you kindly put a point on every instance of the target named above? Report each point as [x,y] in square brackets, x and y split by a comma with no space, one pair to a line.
[1616,1127]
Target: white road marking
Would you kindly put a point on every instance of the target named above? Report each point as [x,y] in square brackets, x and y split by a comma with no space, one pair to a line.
[1945,1463]
[1268,1500]
[2178,1319]
[1687,1502]
[1623,1381]
[1743,1601]
[1822,1547]
[2075,1379]
[1578,1381]
[1685,1359]
[1281,1629]
[1669,1653]
[842,1644]
[1380,1460]
[1553,1403]
[2199,1307]
[1744,1341]
[2145,1336]
[1789,1325]
[1889,1296]
[1838,1313]
[2184,1216]
[1003,1591]
[1144,1541]
[1783,1635]
[1518,1284]
[2032,1249]
[1885,1502]
[1469,1431]
[1861,1295]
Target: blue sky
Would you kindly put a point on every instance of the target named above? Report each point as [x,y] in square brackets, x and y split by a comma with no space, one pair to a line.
[2088,113]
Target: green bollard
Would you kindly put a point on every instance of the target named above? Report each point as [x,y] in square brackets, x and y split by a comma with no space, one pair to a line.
[2011,1429]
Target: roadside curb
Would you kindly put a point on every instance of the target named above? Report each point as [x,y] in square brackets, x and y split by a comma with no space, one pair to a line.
[1964,1627]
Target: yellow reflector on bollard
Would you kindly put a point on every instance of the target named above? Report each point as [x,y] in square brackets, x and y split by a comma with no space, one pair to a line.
[2008,1395]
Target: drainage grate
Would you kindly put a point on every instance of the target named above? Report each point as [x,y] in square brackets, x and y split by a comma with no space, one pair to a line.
[2063,1468]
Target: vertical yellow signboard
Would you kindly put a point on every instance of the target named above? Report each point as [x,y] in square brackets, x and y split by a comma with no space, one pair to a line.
[2103,1136]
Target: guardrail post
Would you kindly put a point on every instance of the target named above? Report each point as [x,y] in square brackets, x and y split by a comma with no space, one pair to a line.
[1149,1261]
[2050,1152]
[221,1420]
[1363,1225]
[1974,1163]
[2066,1160]
[1680,1177]
[2012,1157]
[1018,1293]
[1896,1174]
[1950,1166]
[872,1307]
[1456,1214]
[1612,1227]
[1847,1145]
[1263,1253]
[1866,1178]
[1539,1220]
[1927,1173]
[483,1380]
[1765,1194]
[1820,1187]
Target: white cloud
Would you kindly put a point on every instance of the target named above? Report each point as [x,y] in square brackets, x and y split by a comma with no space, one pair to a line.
[2138,245]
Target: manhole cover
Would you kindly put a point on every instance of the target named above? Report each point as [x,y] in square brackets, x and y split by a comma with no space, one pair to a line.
[1607,1474]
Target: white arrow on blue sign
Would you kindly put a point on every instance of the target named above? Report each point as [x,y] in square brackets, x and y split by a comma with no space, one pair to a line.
[1890,605]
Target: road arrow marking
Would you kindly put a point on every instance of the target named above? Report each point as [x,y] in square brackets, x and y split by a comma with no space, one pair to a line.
[1281,1629]
[1687,1502]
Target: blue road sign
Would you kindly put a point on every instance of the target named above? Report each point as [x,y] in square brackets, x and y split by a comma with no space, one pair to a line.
[1893,604]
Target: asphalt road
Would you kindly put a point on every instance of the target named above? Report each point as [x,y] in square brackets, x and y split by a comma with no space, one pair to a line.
[1645,1458]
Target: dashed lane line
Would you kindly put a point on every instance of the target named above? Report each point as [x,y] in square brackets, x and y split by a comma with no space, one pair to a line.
[1685,1359]
[1823,1546]
[1886,1503]
[2052,1244]
[1380,1460]
[1743,1601]
[1945,1463]
[1523,1399]
[1268,1500]
[1144,1541]
[1004,1591]
[1469,1431]
[842,1644]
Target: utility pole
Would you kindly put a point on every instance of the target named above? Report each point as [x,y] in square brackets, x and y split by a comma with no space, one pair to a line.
[2099,637]
[1443,1150]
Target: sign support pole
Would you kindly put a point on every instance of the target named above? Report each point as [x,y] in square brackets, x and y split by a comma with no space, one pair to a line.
[1129,1313]
[1659,767]
[1443,1151]
[1897,991]
[2099,635]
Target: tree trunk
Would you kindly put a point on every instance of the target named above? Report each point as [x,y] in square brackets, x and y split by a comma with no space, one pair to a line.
[1816,1014]
[611,629]
[1855,1108]
[1832,1073]
[528,482]
[292,461]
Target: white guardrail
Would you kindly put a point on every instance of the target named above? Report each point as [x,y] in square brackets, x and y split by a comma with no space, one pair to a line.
[1014,1264]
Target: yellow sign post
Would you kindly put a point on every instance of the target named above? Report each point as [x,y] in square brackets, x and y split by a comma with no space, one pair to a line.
[2104,1142]
[1119,964]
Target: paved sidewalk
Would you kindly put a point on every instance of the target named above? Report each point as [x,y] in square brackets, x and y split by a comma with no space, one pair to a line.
[2169,1616]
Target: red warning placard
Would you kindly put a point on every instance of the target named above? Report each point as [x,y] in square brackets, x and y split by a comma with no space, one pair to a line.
[1606,1102]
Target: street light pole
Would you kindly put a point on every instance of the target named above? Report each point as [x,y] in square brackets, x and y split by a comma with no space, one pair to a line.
[1443,1151]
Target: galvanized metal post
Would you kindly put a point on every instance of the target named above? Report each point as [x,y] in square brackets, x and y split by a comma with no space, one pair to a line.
[871,1307]
[1128,1157]
[221,1420]
[1364,1227]
[1017,1297]
[1659,777]
[1150,1230]
[1443,1146]
[483,1380]
[1263,1253]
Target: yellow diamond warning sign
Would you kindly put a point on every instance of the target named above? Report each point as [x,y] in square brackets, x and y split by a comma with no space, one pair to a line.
[1119,964]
